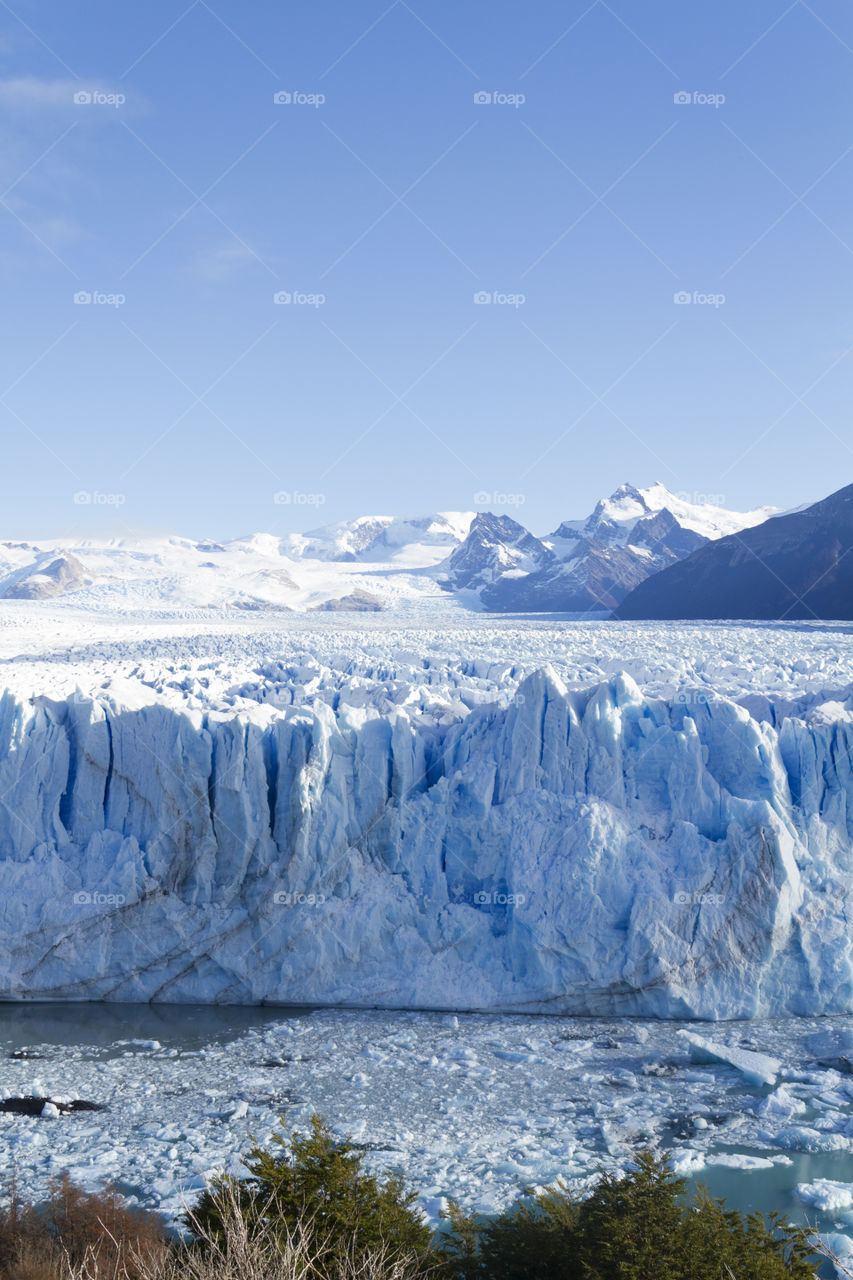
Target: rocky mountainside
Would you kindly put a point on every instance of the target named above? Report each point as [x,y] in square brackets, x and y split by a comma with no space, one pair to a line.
[447,560]
[792,567]
[586,566]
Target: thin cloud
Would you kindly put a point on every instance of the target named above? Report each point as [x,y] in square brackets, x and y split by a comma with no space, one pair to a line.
[34,93]
[30,91]
[223,263]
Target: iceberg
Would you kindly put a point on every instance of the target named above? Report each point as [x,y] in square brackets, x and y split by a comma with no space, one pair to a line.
[756,1068]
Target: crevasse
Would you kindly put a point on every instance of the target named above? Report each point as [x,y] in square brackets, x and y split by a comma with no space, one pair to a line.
[597,852]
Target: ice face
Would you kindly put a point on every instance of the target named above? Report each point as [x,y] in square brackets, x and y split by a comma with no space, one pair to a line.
[398,827]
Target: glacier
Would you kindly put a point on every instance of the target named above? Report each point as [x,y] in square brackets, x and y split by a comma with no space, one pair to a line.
[547,843]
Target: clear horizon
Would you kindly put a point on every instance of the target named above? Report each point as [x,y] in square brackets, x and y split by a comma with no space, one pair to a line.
[667,278]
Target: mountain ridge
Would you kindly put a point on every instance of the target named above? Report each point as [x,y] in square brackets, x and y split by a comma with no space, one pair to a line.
[462,559]
[793,567]
[587,566]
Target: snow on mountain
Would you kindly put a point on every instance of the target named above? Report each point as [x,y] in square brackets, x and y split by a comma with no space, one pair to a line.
[383,561]
[797,565]
[590,565]
[45,578]
[463,559]
[615,518]
[382,539]
[495,546]
[297,813]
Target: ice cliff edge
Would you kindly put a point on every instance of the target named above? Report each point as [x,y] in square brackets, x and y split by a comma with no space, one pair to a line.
[595,851]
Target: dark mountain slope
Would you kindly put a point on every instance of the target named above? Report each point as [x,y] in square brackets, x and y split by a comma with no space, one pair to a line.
[791,567]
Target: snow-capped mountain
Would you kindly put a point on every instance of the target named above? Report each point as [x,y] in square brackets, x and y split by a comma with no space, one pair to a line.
[374,562]
[381,539]
[495,547]
[451,559]
[588,566]
[795,566]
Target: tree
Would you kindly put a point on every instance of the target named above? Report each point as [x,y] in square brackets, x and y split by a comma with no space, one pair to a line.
[313,1187]
[638,1227]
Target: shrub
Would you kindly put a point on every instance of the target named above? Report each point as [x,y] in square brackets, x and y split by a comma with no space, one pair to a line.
[313,1187]
[640,1227]
[74,1230]
[307,1211]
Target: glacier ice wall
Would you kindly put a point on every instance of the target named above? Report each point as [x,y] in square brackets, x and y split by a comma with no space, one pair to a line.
[597,851]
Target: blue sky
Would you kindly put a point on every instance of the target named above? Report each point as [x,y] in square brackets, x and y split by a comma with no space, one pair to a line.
[382,198]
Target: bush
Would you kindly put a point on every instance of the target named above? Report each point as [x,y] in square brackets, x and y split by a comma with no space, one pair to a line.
[313,1190]
[640,1227]
[75,1231]
[308,1212]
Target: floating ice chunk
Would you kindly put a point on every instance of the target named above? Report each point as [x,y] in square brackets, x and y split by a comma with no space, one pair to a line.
[687,1161]
[433,1207]
[826,1195]
[801,1138]
[734,1160]
[757,1068]
[50,1110]
[781,1105]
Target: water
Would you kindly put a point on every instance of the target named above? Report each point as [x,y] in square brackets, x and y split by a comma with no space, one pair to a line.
[475,1106]
[180,1026]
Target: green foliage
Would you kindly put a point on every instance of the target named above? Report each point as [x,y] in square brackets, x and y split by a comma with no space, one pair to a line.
[640,1227]
[751,1248]
[314,1185]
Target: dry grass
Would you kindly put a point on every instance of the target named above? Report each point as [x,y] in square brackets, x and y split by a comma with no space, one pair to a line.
[79,1236]
[73,1230]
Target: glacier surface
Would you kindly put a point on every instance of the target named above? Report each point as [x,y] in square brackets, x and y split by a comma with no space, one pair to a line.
[581,819]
